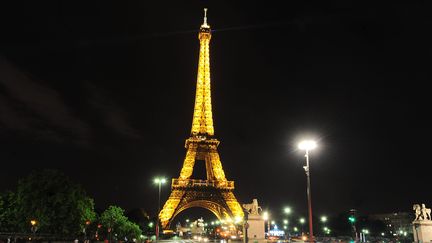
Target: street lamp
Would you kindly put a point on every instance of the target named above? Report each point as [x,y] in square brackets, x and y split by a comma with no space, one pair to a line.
[302,221]
[33,223]
[159,181]
[87,223]
[287,211]
[266,217]
[306,146]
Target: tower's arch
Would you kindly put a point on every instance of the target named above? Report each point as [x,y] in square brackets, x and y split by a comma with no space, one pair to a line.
[218,210]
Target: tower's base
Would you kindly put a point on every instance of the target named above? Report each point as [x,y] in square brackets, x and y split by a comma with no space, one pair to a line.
[204,194]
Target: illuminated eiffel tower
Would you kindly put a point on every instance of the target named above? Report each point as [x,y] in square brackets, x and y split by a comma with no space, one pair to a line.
[216,192]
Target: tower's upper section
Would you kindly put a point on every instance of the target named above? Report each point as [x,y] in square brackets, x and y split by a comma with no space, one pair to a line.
[202,123]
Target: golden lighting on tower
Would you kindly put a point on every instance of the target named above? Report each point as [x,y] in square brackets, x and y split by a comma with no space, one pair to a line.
[216,192]
[202,122]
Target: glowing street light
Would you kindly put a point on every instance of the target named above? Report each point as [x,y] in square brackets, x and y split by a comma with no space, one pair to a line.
[287,210]
[323,219]
[306,146]
[159,181]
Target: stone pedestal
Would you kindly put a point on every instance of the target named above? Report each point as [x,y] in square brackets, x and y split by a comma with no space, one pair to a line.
[422,230]
[255,230]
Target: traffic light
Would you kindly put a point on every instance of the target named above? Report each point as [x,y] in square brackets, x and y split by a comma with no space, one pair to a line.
[352,216]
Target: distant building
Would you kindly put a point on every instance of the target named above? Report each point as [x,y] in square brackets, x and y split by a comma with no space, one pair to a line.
[396,223]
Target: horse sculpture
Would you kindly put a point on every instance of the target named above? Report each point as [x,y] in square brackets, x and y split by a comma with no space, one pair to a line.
[252,208]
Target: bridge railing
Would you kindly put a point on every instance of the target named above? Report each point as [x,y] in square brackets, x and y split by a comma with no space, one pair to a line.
[202,183]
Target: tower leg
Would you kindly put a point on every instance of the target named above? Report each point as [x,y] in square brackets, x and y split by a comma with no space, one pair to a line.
[168,210]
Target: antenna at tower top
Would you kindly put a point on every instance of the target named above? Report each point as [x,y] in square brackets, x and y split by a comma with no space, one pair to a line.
[205,25]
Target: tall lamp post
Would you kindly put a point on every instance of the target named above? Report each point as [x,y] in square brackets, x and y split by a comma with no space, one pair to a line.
[34,228]
[306,146]
[266,217]
[159,181]
[287,211]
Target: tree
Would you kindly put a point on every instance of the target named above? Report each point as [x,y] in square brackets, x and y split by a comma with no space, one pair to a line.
[58,205]
[116,223]
[8,217]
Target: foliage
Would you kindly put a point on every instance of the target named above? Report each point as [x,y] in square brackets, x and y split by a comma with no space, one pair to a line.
[8,212]
[116,223]
[58,205]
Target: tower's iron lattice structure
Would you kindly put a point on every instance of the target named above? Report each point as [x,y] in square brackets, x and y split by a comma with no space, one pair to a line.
[216,192]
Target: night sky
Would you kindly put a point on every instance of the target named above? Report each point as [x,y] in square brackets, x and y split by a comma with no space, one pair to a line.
[105,91]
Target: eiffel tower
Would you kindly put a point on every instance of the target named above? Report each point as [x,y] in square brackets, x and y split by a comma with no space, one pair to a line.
[216,192]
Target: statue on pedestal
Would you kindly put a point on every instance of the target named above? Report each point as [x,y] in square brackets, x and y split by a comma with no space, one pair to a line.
[254,225]
[422,224]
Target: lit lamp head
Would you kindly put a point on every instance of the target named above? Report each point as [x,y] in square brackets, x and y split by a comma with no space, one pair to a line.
[265,215]
[307,145]
[287,210]
[158,180]
[33,222]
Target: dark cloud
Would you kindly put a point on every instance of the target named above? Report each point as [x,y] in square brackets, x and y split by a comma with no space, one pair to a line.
[33,107]
[110,114]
